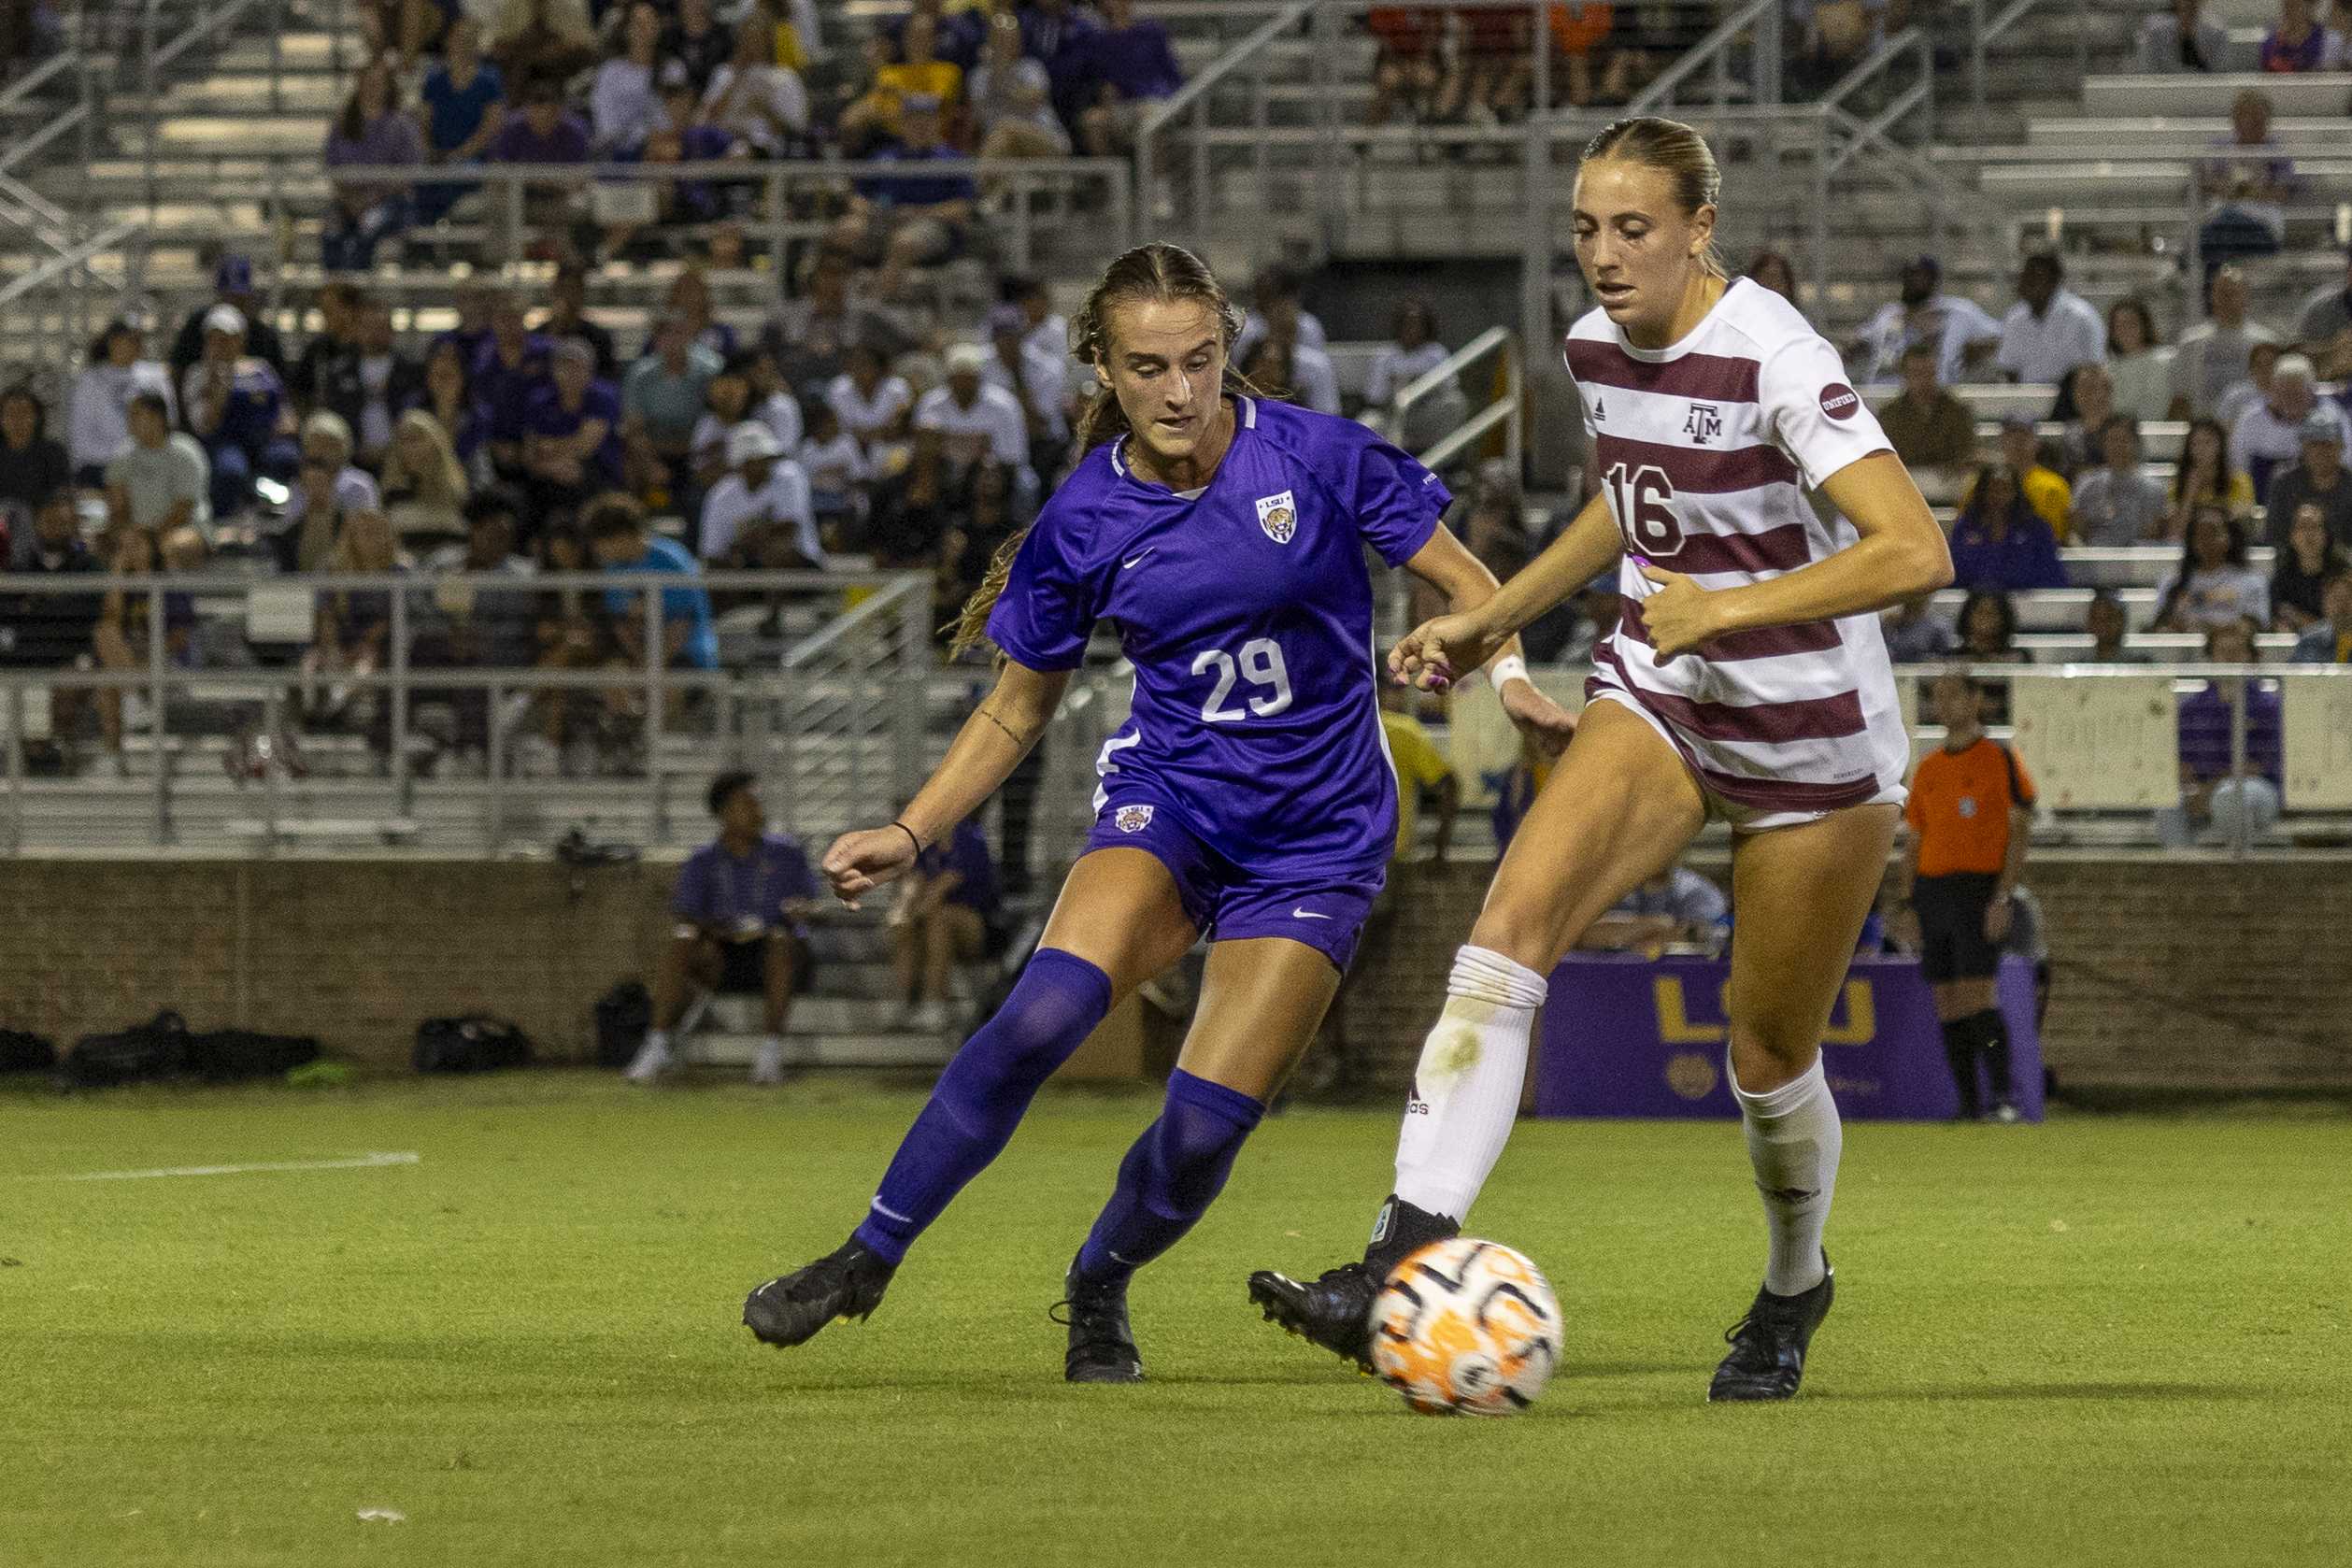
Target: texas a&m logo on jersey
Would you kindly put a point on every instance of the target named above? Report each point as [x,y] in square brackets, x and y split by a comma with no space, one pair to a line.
[1705,423]
[1840,401]
[1132,819]
[1278,514]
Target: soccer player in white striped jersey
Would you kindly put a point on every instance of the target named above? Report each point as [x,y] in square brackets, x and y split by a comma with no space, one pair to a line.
[1746,680]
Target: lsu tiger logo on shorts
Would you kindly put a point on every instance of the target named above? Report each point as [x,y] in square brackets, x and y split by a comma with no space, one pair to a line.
[1278,514]
[1131,818]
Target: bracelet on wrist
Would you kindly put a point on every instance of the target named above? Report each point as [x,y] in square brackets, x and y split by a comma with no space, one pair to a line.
[1510,667]
[912,837]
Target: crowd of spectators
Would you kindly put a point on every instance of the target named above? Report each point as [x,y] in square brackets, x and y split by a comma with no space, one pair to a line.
[2308,35]
[556,82]
[840,429]
[2262,462]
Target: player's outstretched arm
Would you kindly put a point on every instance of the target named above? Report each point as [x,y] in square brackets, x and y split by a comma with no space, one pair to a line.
[1899,555]
[1447,564]
[992,742]
[1442,648]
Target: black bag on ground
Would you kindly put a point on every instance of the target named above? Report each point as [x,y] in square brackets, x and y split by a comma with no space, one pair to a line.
[476,1043]
[140,1054]
[623,1014]
[227,1055]
[23,1052]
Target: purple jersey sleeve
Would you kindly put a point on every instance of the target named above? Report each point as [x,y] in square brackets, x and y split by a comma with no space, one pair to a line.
[1395,501]
[1049,604]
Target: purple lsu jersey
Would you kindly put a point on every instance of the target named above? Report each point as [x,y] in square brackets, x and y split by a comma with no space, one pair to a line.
[1247,612]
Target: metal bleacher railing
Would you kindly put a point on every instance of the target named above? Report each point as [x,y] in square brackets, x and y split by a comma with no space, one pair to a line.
[1271,138]
[835,720]
[783,202]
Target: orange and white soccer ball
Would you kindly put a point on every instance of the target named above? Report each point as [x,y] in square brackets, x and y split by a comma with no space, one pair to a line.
[1466,1327]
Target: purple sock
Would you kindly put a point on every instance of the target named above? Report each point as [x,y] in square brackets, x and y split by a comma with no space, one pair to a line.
[979,1099]
[1169,1177]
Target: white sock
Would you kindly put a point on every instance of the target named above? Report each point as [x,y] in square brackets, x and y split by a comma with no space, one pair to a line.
[1466,1086]
[657,1038]
[1793,1140]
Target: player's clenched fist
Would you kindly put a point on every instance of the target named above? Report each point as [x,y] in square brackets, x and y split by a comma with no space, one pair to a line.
[1436,653]
[861,861]
[1681,616]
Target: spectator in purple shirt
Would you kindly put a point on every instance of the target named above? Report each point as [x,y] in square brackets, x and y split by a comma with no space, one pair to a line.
[737,910]
[1128,64]
[571,435]
[2299,43]
[946,908]
[544,133]
[2001,542]
[913,222]
[463,106]
[1054,33]
[372,131]
[2215,788]
[958,39]
[679,137]
[511,367]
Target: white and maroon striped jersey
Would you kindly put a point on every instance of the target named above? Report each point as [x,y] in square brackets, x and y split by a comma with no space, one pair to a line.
[1705,451]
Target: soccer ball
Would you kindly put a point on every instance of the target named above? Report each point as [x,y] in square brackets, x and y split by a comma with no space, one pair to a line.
[1466,1327]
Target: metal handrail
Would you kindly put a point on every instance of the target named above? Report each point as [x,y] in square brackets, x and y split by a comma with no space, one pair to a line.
[891,600]
[1217,70]
[66,262]
[64,60]
[1708,50]
[159,677]
[1983,32]
[1505,407]
[216,18]
[509,183]
[213,584]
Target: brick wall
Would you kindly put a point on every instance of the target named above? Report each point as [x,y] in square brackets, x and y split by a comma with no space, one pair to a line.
[2169,972]
[354,951]
[2178,972]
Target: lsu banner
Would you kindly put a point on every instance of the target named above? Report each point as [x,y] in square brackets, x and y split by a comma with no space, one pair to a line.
[1625,1035]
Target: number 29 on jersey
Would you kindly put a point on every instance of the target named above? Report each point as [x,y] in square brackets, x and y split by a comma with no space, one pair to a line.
[1260,664]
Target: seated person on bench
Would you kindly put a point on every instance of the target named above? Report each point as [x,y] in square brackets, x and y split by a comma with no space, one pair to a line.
[738,905]
[946,915]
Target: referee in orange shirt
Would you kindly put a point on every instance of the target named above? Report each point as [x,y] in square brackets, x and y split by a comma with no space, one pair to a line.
[1971,806]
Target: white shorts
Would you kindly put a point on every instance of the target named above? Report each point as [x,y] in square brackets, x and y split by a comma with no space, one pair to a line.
[1742,819]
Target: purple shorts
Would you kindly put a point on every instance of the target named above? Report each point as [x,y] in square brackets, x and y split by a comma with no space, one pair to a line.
[1227,902]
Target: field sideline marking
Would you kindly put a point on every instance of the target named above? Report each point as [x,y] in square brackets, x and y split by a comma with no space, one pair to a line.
[359,1162]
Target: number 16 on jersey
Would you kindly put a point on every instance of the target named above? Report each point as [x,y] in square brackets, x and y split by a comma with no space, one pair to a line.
[1642,500]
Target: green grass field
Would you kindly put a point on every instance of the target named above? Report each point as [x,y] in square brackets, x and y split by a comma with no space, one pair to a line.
[2121,1341]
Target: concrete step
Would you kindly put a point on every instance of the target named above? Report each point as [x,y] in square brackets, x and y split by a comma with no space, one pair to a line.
[814,1048]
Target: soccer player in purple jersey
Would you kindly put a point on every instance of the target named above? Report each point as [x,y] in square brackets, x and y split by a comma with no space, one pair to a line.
[1249,797]
[1746,679]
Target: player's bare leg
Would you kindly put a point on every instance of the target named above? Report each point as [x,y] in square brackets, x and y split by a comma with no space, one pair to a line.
[1119,922]
[1617,810]
[1261,1000]
[1802,894]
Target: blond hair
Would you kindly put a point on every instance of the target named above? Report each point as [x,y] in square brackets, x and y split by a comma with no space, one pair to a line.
[440,481]
[1674,151]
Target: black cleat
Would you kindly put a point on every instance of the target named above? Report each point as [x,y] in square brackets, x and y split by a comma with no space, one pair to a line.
[1101,1346]
[845,1283]
[1768,1346]
[1332,1310]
